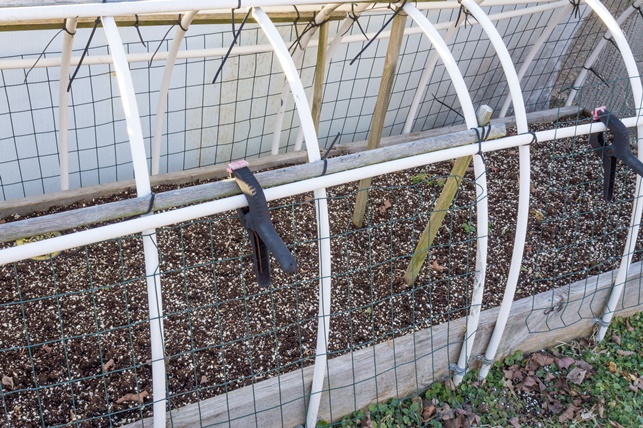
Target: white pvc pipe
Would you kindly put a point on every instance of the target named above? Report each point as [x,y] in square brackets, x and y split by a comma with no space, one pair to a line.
[252,49]
[591,59]
[551,25]
[323,227]
[524,185]
[330,51]
[452,29]
[296,57]
[150,249]
[637,92]
[63,102]
[179,215]
[165,87]
[482,209]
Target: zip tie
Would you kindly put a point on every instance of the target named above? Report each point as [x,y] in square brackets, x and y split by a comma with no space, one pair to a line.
[324,158]
[66,30]
[234,41]
[467,14]
[597,75]
[378,32]
[576,8]
[178,22]
[447,106]
[138,30]
[161,42]
[82,57]
[42,54]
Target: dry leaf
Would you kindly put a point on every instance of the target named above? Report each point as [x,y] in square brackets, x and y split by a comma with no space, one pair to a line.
[389,342]
[612,367]
[108,365]
[624,353]
[309,201]
[541,360]
[568,414]
[616,339]
[436,266]
[47,348]
[428,413]
[583,365]
[133,397]
[514,422]
[7,381]
[385,206]
[576,375]
[564,362]
[628,326]
[366,421]
[204,379]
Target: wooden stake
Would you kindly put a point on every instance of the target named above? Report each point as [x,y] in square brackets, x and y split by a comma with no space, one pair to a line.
[379,115]
[483,115]
[320,72]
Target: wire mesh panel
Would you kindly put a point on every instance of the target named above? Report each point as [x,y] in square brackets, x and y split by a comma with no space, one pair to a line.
[75,346]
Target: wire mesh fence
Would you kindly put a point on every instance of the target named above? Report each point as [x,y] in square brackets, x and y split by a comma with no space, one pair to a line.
[75,344]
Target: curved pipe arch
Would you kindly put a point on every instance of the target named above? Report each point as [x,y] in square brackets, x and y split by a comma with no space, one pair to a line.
[481,180]
[323,227]
[524,184]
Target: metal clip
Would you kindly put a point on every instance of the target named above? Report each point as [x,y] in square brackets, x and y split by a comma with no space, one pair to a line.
[256,220]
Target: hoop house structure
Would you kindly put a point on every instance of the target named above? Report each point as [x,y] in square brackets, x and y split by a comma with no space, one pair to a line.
[135,256]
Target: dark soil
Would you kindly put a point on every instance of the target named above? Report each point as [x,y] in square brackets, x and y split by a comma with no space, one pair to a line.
[75,336]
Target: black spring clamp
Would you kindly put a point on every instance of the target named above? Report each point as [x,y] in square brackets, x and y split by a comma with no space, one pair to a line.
[256,220]
[619,149]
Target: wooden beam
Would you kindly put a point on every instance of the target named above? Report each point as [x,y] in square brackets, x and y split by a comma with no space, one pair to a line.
[320,75]
[411,363]
[31,204]
[483,115]
[381,106]
[204,18]
[205,192]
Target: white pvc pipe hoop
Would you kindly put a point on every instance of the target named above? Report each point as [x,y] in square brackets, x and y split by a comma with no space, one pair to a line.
[332,48]
[637,92]
[591,59]
[63,103]
[482,218]
[555,20]
[451,31]
[141,175]
[524,186]
[165,87]
[300,48]
[323,227]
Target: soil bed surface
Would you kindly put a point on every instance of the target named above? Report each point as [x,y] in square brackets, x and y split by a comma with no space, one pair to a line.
[75,328]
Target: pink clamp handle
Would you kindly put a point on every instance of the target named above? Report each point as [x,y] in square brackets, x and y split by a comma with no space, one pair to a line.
[597,110]
[237,165]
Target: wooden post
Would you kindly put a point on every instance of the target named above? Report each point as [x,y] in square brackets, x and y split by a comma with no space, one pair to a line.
[443,203]
[379,115]
[320,72]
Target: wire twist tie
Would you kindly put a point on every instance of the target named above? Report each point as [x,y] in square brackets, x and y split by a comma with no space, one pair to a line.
[534,137]
[151,205]
[178,22]
[457,370]
[600,322]
[576,8]
[138,30]
[482,136]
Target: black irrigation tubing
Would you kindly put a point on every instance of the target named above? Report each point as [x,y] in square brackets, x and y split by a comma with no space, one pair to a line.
[82,57]
[378,32]
[234,41]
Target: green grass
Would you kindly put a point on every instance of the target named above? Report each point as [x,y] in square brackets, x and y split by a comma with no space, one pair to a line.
[578,384]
